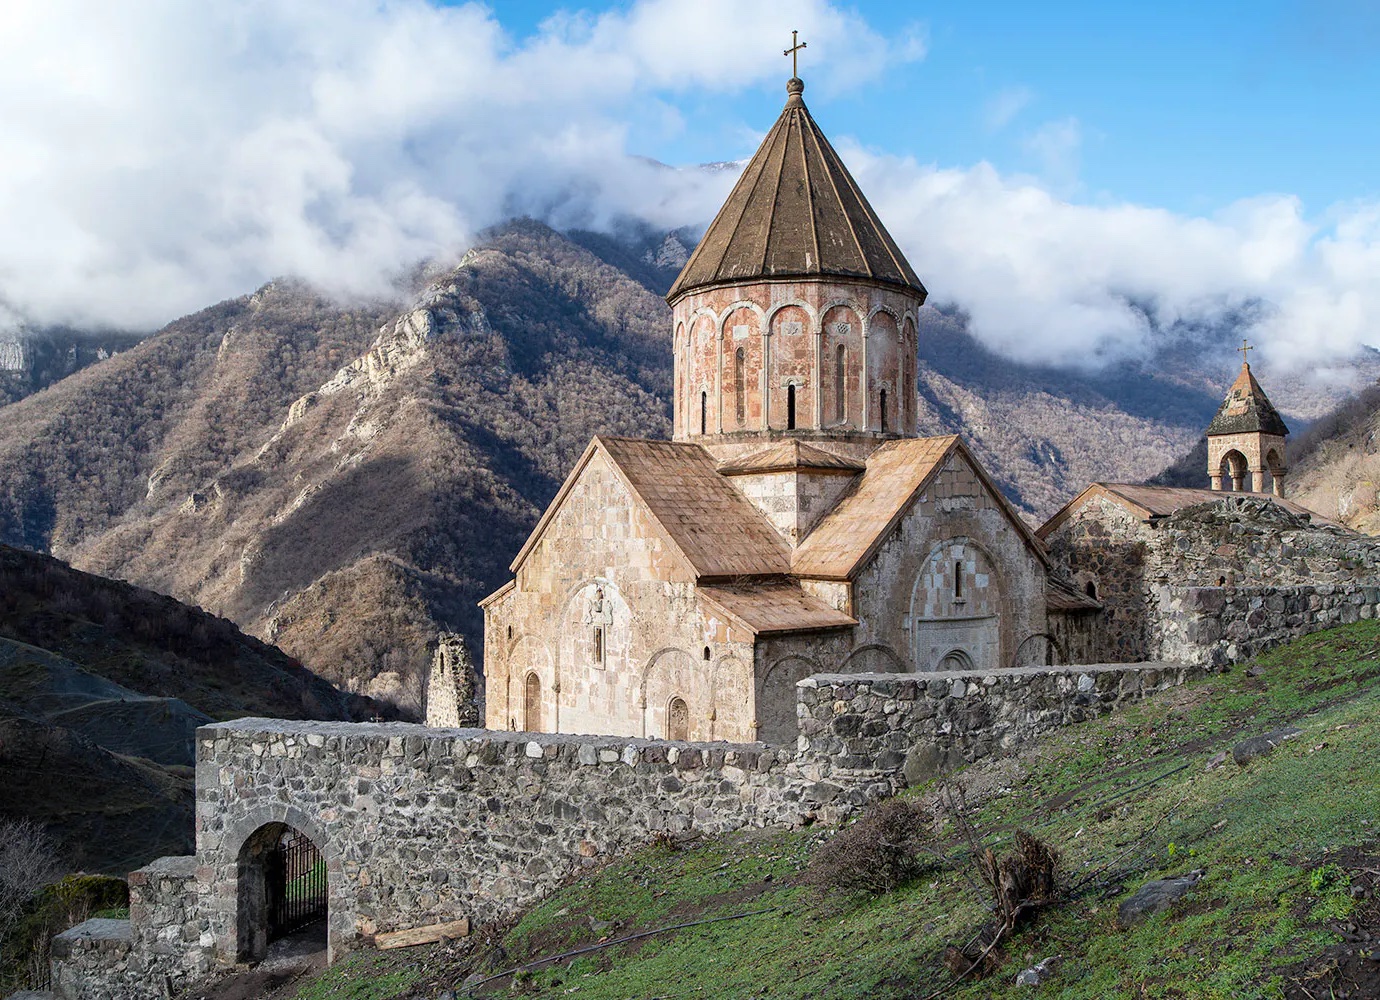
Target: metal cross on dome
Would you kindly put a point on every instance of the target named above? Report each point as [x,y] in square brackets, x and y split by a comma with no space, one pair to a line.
[792,52]
[1244,351]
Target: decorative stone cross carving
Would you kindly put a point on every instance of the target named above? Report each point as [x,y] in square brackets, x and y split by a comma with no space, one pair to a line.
[598,611]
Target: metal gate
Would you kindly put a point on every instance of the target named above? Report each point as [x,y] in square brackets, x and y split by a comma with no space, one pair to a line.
[296,877]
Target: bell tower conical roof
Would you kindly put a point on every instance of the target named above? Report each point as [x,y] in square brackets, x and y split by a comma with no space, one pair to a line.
[1247,409]
[796,212]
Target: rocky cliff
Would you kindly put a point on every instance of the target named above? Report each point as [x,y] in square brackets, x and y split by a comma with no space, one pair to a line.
[347,480]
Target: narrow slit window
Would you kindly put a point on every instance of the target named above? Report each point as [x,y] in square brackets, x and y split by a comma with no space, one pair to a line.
[881,405]
[840,383]
[739,386]
[958,581]
[704,412]
[790,407]
[598,645]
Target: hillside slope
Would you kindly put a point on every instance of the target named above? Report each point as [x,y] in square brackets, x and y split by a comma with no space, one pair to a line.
[102,687]
[1287,905]
[1334,468]
[346,481]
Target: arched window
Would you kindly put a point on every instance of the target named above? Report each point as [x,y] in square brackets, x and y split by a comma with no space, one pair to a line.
[739,387]
[531,704]
[881,406]
[677,720]
[704,412]
[790,407]
[1091,590]
[840,382]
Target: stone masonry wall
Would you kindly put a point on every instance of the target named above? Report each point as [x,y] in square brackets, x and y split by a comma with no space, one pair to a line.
[918,726]
[1250,549]
[1219,625]
[420,825]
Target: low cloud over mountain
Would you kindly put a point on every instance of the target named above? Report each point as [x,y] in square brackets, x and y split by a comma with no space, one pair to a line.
[157,156]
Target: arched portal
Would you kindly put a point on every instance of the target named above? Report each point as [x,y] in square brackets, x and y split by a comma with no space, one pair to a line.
[955,607]
[282,889]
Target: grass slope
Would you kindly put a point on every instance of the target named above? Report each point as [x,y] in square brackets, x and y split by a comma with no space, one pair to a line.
[1282,841]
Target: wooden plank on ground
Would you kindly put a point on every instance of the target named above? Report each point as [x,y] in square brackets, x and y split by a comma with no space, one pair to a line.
[423,935]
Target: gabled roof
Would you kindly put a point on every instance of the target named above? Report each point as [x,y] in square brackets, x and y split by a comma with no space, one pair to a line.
[773,607]
[711,525]
[1247,409]
[790,456]
[796,212]
[1061,596]
[1150,503]
[897,472]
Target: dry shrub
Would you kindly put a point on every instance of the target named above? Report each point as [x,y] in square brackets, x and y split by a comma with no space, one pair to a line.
[883,849]
[1021,881]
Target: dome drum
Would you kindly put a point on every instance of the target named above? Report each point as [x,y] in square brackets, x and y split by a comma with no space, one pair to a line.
[812,357]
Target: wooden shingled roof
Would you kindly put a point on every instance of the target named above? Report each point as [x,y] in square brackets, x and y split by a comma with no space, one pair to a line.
[714,527]
[775,606]
[897,472]
[796,212]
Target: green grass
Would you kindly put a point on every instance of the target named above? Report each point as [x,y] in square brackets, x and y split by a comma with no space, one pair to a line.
[1125,799]
[361,976]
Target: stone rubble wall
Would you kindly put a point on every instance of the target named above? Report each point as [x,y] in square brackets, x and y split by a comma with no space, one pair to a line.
[1215,626]
[919,726]
[1264,559]
[95,961]
[420,825]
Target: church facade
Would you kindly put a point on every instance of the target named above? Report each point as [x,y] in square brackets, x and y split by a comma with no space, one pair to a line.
[795,524]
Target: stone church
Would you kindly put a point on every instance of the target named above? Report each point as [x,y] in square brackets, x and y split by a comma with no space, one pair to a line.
[795,524]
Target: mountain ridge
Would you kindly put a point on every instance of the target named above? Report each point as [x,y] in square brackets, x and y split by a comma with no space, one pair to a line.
[347,481]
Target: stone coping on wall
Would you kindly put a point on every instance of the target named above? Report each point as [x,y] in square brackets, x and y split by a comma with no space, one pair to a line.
[410,742]
[96,934]
[173,866]
[831,680]
[404,731]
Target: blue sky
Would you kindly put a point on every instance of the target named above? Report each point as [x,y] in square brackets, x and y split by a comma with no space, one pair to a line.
[1082,180]
[1188,106]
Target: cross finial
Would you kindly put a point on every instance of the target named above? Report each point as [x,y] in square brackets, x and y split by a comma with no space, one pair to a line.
[795,48]
[1244,351]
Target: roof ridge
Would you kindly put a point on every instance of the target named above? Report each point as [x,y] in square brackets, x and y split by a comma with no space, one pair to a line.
[822,143]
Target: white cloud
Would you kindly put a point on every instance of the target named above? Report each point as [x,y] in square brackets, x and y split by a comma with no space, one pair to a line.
[156,156]
[1057,148]
[1045,280]
[1003,107]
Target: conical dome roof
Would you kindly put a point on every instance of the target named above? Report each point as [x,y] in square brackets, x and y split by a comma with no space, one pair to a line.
[796,212]
[1247,409]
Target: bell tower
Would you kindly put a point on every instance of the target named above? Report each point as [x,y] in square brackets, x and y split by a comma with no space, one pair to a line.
[1246,438]
[795,318]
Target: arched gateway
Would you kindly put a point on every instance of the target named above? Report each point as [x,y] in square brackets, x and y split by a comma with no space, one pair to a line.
[282,889]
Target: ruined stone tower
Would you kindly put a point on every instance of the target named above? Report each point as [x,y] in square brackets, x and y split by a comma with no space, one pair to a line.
[795,318]
[1247,437]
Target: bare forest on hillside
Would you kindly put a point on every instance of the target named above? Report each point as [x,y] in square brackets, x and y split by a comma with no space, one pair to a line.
[348,480]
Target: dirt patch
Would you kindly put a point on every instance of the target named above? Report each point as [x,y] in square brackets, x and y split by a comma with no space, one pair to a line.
[1327,683]
[1349,970]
